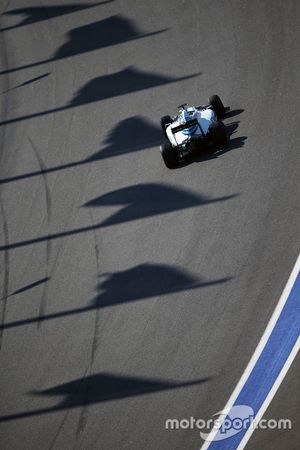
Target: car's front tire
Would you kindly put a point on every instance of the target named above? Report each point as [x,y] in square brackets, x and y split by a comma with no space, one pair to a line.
[164,121]
[218,134]
[217,105]
[169,155]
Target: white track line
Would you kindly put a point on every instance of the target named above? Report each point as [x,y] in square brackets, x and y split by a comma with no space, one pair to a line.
[261,345]
[271,394]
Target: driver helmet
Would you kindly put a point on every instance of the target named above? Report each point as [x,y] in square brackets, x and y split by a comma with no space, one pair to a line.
[184,117]
[183,114]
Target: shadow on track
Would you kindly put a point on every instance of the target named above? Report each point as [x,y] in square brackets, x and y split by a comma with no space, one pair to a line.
[233,113]
[146,200]
[130,135]
[107,32]
[36,14]
[102,387]
[124,82]
[135,284]
[140,201]
[104,87]
[25,83]
[30,286]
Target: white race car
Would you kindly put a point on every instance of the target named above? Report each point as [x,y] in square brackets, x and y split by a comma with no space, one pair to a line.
[192,129]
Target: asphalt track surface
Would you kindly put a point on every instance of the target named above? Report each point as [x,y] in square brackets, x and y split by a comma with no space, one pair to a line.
[131,293]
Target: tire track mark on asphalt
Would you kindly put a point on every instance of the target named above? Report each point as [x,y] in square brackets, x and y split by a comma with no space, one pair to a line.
[58,431]
[54,266]
[43,168]
[6,264]
[88,370]
[6,273]
[66,415]
[83,418]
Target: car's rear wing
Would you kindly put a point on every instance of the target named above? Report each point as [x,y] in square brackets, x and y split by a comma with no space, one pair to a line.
[188,124]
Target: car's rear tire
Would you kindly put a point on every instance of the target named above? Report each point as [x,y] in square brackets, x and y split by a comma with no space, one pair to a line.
[217,105]
[164,121]
[169,155]
[218,134]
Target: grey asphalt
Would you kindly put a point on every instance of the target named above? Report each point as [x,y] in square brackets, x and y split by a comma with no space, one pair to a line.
[131,293]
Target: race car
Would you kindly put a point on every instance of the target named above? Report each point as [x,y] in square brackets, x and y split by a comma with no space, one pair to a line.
[192,129]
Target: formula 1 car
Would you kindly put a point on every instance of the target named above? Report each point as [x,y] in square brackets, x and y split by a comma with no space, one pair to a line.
[192,129]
